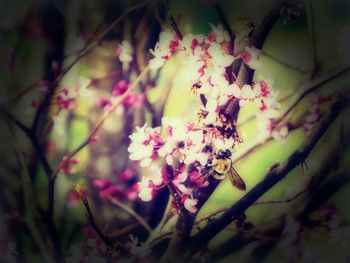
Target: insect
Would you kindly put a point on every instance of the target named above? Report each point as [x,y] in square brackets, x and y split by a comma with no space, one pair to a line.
[222,165]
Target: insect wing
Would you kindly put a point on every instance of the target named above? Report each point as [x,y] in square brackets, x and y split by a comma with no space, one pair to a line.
[236,180]
[202,178]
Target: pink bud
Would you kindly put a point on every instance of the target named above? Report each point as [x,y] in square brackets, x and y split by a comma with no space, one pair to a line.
[101,183]
[246,57]
[94,138]
[212,37]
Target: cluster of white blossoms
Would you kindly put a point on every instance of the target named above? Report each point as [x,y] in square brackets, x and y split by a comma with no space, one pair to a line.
[181,151]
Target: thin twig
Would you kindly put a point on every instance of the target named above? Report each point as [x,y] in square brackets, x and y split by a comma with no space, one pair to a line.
[93,223]
[131,212]
[226,25]
[175,27]
[29,201]
[312,38]
[297,195]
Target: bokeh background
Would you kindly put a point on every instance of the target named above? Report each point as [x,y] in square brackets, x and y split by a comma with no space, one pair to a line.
[41,39]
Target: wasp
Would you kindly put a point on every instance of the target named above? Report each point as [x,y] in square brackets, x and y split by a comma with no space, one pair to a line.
[222,165]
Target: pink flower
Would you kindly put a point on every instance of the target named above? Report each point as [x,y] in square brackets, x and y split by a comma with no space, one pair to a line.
[265,92]
[65,165]
[127,175]
[142,144]
[120,88]
[251,57]
[110,191]
[133,100]
[146,191]
[66,103]
[165,47]
[246,57]
[94,138]
[132,192]
[211,37]
[103,103]
[101,183]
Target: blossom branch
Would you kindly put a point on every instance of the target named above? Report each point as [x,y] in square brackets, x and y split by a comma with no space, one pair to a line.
[309,88]
[276,174]
[131,212]
[304,90]
[185,219]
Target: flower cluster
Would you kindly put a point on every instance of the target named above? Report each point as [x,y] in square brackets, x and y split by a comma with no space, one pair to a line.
[180,154]
[125,188]
[132,100]
[66,165]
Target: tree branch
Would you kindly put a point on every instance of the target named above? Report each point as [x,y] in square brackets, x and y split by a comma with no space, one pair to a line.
[175,27]
[275,226]
[226,25]
[273,177]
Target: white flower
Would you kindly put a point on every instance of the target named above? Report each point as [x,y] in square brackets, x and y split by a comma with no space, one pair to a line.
[161,51]
[191,45]
[179,180]
[126,52]
[142,144]
[219,57]
[263,125]
[244,93]
[176,128]
[145,191]
[156,175]
[251,57]
[281,134]
[220,33]
[190,204]
[222,143]
[141,153]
